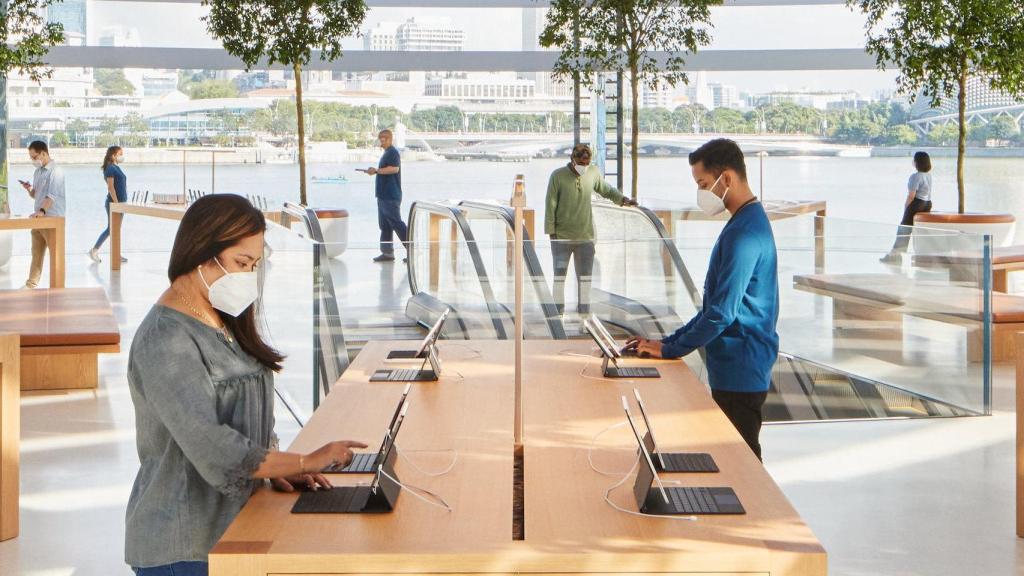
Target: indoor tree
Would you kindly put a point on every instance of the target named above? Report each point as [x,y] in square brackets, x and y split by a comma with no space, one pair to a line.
[25,39]
[285,32]
[937,45]
[646,40]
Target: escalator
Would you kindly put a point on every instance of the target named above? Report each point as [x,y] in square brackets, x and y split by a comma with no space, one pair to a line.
[451,265]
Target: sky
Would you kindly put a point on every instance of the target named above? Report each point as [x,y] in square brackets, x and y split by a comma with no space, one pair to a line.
[771,27]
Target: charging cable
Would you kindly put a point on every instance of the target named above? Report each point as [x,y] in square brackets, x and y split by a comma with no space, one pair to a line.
[575,354]
[405,455]
[416,491]
[477,353]
[593,443]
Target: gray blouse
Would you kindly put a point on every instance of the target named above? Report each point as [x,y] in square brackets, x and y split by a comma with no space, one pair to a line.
[204,419]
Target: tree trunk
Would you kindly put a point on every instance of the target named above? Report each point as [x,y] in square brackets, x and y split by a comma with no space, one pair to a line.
[297,68]
[634,130]
[962,141]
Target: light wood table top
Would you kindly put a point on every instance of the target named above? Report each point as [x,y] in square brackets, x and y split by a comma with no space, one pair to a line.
[569,528]
[567,404]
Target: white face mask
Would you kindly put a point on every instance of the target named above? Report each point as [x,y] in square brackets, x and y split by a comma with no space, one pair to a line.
[119,158]
[37,163]
[709,202]
[233,292]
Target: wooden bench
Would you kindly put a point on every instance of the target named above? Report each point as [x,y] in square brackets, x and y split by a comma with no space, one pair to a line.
[964,265]
[62,333]
[874,305]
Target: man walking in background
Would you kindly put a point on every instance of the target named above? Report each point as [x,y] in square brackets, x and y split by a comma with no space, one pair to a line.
[389,197]
[47,190]
[569,221]
[736,324]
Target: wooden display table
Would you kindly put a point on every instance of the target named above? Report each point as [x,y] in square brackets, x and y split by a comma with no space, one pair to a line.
[569,528]
[776,210]
[53,228]
[118,210]
[10,433]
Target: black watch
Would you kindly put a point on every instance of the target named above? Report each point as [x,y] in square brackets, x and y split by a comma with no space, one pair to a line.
[43,210]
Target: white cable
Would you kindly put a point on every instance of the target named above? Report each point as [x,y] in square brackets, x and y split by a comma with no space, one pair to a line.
[479,354]
[608,499]
[414,490]
[455,459]
[593,442]
[575,354]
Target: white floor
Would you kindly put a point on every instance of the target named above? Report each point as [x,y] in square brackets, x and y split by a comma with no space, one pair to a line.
[896,498]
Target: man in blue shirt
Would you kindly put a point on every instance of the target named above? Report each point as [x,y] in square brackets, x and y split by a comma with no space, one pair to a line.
[47,192]
[389,197]
[736,323]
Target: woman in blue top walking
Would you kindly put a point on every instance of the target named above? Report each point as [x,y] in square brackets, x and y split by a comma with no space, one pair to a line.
[919,199]
[117,191]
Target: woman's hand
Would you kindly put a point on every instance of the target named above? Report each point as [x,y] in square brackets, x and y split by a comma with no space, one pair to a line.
[337,454]
[300,482]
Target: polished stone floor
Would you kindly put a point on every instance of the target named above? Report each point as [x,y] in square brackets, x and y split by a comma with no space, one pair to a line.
[903,497]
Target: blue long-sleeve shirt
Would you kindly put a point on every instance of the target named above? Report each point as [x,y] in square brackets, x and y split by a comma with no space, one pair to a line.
[736,326]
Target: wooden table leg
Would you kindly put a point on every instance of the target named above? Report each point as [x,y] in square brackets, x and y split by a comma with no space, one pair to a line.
[999,281]
[58,251]
[670,228]
[1020,433]
[819,241]
[10,412]
[115,240]
[434,251]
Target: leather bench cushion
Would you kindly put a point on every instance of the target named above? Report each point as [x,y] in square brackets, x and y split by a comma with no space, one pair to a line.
[968,218]
[59,317]
[1001,255]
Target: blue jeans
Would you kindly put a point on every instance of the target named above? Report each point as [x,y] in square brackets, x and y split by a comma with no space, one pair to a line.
[176,569]
[106,233]
[389,218]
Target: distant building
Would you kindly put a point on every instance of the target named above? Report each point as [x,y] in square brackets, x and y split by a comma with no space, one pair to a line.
[821,100]
[157,83]
[383,37]
[724,96]
[73,16]
[698,91]
[120,37]
[429,36]
[983,105]
[481,88]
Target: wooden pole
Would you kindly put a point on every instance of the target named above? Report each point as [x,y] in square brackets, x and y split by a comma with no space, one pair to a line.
[518,203]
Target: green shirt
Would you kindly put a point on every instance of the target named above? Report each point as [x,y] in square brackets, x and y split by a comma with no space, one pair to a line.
[568,214]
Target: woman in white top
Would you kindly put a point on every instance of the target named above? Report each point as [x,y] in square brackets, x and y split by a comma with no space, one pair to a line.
[919,199]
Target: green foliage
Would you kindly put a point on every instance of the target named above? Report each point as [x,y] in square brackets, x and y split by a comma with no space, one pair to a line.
[112,82]
[440,119]
[283,31]
[1001,128]
[901,135]
[26,37]
[944,135]
[59,140]
[623,36]
[937,44]
[212,89]
[728,121]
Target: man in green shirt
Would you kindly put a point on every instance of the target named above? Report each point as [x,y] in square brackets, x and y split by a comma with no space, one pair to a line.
[569,220]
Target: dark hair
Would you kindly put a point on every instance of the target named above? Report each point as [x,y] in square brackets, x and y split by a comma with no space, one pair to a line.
[720,154]
[108,158]
[923,162]
[211,225]
[39,146]
[581,151]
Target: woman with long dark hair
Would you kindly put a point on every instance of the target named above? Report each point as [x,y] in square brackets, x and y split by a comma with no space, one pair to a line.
[202,380]
[117,191]
[919,199]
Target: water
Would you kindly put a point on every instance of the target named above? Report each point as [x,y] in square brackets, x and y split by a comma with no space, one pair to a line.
[868,189]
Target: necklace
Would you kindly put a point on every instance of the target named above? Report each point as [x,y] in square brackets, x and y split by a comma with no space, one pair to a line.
[202,315]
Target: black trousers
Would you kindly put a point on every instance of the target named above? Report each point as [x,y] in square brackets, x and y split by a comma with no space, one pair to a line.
[389,219]
[743,409]
[903,235]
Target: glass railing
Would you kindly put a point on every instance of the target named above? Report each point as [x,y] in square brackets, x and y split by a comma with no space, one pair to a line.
[859,338]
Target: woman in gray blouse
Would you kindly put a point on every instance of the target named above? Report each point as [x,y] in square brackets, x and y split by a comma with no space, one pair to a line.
[202,381]
[919,199]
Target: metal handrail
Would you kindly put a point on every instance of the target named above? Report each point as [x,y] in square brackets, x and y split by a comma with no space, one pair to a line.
[330,353]
[455,215]
[533,266]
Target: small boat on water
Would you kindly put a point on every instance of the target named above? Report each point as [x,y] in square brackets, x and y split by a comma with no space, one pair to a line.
[339,179]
